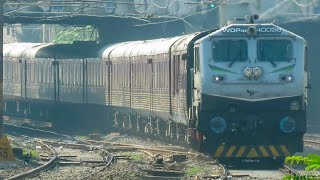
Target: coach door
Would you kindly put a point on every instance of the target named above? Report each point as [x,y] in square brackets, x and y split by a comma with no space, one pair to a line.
[150,76]
[176,79]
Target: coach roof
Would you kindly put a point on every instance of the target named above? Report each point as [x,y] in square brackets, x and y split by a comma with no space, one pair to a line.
[17,50]
[142,48]
[64,51]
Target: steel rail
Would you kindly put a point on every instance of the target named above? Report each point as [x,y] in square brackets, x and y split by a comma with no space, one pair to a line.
[53,161]
[107,157]
[139,147]
[289,170]
[312,136]
[39,130]
[226,174]
[311,141]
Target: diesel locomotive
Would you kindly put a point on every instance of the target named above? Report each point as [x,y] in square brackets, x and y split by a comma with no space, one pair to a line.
[235,92]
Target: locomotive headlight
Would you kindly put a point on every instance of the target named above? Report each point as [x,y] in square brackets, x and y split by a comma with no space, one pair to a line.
[294,106]
[217,78]
[287,124]
[289,78]
[218,124]
[248,72]
[257,72]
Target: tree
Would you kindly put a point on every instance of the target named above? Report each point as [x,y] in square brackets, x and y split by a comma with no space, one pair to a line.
[75,34]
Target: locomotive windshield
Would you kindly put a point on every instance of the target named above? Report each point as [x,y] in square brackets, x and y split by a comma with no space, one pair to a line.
[230,50]
[274,50]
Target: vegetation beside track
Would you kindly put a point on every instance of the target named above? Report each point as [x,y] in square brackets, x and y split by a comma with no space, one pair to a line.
[311,163]
[75,34]
[194,170]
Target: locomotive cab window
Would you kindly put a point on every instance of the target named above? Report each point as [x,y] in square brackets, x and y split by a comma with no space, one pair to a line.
[230,50]
[274,50]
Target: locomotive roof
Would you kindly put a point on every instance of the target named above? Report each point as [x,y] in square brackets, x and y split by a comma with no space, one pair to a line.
[261,30]
[148,47]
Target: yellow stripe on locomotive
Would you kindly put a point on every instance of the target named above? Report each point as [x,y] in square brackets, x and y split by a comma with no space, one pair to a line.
[249,151]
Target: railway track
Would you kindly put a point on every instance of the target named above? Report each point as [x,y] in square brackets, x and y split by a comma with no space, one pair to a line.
[114,148]
[50,164]
[312,139]
[108,158]
[55,157]
[157,171]
[288,170]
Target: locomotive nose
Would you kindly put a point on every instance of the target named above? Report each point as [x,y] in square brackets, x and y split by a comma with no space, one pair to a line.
[250,124]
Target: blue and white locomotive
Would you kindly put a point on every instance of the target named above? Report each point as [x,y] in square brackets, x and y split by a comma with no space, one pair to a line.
[238,91]
[250,90]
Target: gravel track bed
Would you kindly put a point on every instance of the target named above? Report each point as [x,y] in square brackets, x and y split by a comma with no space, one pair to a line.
[72,171]
[65,172]
[195,166]
[132,169]
[59,172]
[9,169]
[126,139]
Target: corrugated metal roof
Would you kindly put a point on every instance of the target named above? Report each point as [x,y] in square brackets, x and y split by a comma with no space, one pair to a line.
[77,50]
[17,50]
[146,48]
[31,53]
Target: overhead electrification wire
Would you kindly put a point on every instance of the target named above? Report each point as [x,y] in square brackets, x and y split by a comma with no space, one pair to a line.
[180,11]
[304,5]
[180,18]
[29,5]
[164,7]
[139,17]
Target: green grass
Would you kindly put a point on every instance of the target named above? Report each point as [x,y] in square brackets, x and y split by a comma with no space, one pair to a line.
[194,170]
[134,156]
[82,137]
[34,153]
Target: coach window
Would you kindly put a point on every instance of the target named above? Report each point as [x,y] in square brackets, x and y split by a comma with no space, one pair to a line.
[41,72]
[4,69]
[305,58]
[197,59]
[32,72]
[36,72]
[8,70]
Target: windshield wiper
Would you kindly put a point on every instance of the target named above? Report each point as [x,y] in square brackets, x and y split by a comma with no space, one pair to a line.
[267,59]
[273,63]
[234,60]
